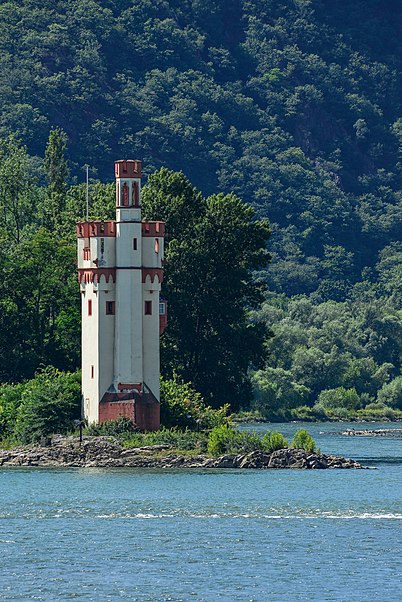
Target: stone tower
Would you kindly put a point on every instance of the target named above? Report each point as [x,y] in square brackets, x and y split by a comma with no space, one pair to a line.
[120,273]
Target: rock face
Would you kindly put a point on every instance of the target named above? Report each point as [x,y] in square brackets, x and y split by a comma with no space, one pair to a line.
[107,452]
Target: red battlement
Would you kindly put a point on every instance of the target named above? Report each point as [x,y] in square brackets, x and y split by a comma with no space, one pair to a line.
[127,168]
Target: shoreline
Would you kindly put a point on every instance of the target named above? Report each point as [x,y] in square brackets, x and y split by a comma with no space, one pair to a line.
[106,452]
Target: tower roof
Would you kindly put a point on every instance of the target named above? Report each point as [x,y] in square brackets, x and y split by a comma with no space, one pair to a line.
[127,168]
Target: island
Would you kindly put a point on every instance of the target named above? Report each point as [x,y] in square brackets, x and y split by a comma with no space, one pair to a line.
[107,452]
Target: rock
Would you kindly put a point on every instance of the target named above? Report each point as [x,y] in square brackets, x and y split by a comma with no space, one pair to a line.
[107,452]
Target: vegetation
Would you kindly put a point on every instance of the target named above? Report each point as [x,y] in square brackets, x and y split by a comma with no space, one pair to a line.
[48,403]
[292,106]
[303,440]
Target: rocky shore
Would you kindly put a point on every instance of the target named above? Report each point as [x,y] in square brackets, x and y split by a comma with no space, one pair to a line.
[105,452]
[371,433]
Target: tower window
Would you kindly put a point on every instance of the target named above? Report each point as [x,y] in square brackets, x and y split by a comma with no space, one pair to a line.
[89,307]
[102,246]
[134,244]
[87,254]
[110,308]
[92,371]
[156,245]
[162,309]
[148,308]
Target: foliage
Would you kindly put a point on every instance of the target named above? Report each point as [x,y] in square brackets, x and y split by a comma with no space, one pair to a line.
[178,439]
[303,440]
[391,394]
[10,400]
[50,403]
[339,397]
[183,407]
[292,106]
[122,427]
[272,441]
[213,245]
[226,440]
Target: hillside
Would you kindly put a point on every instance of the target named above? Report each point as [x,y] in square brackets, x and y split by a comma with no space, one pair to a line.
[294,105]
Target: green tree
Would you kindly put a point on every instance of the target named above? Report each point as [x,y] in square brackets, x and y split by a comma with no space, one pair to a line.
[57,172]
[50,403]
[213,246]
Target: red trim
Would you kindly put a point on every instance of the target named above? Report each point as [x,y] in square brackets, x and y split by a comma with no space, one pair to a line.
[135,195]
[94,229]
[95,274]
[153,273]
[127,168]
[153,229]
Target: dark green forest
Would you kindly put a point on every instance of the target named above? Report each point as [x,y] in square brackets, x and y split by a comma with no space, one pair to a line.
[292,106]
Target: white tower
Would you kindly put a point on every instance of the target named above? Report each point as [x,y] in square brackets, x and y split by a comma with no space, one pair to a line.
[120,274]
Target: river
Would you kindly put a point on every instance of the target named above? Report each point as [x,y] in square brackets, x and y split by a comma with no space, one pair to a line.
[208,535]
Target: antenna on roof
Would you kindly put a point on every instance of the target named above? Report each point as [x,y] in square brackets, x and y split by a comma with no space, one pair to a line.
[86,167]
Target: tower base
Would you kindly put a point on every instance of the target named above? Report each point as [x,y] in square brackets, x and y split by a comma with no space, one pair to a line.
[141,408]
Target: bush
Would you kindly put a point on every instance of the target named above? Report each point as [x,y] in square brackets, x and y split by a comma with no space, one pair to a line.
[226,440]
[272,441]
[339,398]
[120,428]
[391,394]
[50,403]
[303,440]
[10,400]
[181,440]
[183,407]
[307,414]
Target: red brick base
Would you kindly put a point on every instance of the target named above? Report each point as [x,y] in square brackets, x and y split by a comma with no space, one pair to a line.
[143,413]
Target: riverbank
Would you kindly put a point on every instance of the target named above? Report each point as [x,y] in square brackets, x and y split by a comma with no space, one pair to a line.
[104,452]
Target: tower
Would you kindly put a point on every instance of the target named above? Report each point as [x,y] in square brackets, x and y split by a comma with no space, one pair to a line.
[120,274]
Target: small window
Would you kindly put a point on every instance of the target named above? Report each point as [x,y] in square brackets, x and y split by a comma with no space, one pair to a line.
[134,244]
[92,371]
[162,309]
[156,245]
[89,307]
[87,254]
[148,308]
[102,245]
[110,308]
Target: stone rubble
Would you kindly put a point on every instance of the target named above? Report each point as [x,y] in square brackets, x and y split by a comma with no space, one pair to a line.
[105,452]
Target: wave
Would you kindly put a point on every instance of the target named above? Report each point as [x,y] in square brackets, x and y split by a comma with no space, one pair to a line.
[273,514]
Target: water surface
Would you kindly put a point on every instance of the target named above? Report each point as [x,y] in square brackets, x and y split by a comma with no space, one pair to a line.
[178,535]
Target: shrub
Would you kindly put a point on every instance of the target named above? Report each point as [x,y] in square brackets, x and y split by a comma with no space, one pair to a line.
[391,393]
[50,403]
[303,440]
[182,440]
[272,441]
[339,398]
[226,440]
[10,400]
[120,428]
[183,407]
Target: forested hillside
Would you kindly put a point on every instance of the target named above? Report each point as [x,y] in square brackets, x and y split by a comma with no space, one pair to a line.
[293,105]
